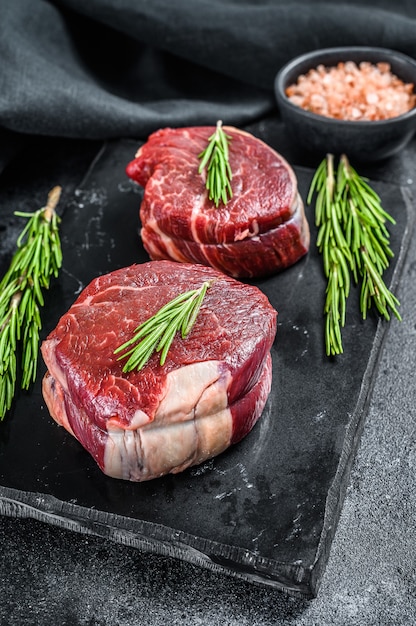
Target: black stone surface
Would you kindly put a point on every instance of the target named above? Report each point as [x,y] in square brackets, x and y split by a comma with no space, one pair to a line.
[267,509]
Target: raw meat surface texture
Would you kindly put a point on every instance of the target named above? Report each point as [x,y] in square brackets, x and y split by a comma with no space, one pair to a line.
[261,230]
[207,396]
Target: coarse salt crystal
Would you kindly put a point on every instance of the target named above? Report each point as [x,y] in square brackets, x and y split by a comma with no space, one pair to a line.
[367,91]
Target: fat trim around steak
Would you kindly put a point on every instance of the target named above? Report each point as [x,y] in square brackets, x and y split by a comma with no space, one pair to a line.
[207,396]
[261,230]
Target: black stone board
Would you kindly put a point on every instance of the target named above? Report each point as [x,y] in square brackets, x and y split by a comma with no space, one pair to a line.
[265,510]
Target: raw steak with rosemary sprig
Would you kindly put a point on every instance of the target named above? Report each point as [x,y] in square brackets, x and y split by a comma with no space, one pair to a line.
[261,229]
[208,395]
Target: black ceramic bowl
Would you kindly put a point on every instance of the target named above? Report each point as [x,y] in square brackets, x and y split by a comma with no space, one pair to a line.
[360,140]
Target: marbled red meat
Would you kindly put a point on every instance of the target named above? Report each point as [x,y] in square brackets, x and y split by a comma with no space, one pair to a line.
[208,395]
[261,230]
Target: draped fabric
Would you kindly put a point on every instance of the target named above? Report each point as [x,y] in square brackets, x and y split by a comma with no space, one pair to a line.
[109,68]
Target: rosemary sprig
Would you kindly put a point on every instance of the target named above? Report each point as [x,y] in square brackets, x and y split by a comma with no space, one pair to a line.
[335,252]
[369,239]
[157,333]
[38,257]
[215,158]
[353,240]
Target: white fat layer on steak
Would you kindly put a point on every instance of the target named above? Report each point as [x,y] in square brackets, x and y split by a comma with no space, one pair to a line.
[192,423]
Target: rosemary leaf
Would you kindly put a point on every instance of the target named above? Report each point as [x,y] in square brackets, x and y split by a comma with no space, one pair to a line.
[190,319]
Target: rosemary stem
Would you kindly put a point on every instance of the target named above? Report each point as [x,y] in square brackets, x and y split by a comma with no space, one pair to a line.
[52,202]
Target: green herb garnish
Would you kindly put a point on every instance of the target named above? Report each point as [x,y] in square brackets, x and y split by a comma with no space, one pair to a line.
[354,241]
[215,158]
[157,333]
[38,257]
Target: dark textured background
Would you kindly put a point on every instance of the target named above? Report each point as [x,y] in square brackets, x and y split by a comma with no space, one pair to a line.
[123,70]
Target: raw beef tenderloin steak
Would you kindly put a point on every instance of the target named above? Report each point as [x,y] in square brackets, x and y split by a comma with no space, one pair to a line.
[208,395]
[261,230]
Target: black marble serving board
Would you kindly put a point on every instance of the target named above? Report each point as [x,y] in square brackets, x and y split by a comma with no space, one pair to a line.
[266,510]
